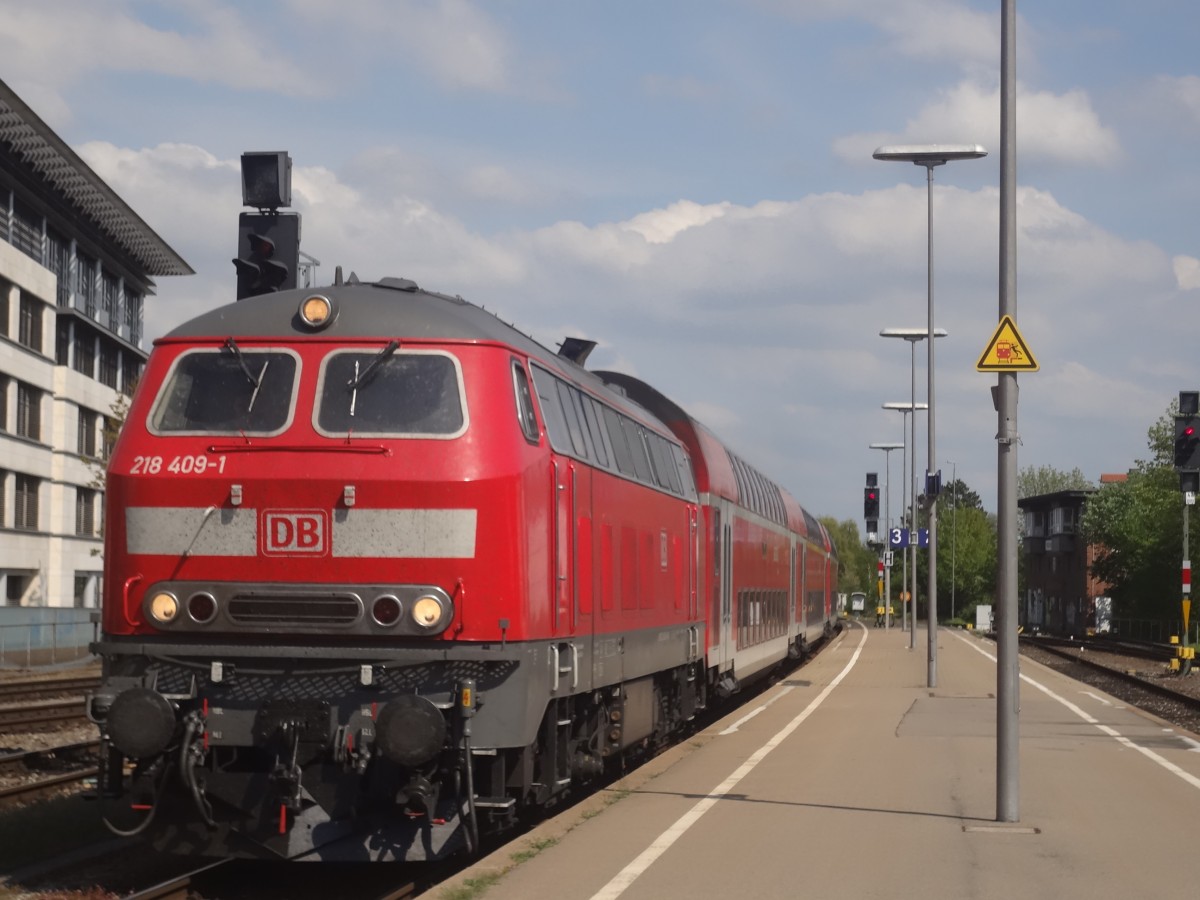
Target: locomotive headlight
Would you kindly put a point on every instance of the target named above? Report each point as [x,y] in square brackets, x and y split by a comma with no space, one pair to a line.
[316,311]
[428,611]
[163,607]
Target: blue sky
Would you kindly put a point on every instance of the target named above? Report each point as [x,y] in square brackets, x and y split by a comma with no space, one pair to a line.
[691,185]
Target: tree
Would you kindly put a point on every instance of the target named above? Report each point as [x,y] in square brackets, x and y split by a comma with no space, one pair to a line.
[966,551]
[1033,482]
[857,563]
[119,410]
[1137,527]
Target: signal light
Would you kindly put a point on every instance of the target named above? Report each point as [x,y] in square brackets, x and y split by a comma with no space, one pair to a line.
[1187,442]
[268,253]
[870,503]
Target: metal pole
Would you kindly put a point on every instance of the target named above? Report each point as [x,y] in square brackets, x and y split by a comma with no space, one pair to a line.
[931,464]
[904,508]
[912,537]
[1008,695]
[887,521]
[953,535]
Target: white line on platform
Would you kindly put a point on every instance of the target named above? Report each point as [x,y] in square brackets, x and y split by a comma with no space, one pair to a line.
[1096,697]
[750,715]
[1111,732]
[663,842]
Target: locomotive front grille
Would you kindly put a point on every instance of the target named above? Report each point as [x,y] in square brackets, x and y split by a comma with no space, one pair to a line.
[294,609]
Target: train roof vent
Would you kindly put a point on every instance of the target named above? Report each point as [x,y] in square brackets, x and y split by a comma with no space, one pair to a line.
[576,349]
[399,284]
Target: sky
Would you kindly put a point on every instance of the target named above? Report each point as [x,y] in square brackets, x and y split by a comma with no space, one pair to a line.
[690,183]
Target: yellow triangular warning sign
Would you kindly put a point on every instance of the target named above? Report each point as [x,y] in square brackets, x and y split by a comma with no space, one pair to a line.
[1007,351]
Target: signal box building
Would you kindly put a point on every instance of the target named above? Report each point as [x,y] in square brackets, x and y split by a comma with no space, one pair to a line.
[76,267]
[1061,595]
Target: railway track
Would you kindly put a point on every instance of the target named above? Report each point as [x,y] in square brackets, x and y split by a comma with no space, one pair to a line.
[1123,674]
[25,689]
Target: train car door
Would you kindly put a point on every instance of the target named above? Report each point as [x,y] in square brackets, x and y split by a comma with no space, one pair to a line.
[564,547]
[722,639]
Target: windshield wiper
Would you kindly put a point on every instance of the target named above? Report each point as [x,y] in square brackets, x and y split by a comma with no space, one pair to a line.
[360,378]
[232,347]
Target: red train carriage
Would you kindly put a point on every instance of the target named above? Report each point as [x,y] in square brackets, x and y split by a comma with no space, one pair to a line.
[382,572]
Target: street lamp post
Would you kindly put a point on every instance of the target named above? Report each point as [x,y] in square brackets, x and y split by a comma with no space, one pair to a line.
[912,335]
[930,156]
[887,525]
[910,484]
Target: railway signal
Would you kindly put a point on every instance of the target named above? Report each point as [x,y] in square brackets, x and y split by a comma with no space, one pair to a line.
[268,253]
[1187,441]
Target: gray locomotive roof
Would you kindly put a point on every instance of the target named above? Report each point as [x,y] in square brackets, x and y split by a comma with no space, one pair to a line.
[391,307]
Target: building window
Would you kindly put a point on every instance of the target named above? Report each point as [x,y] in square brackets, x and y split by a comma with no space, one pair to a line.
[5,290]
[58,261]
[88,422]
[30,328]
[1062,520]
[85,512]
[29,412]
[26,512]
[62,344]
[107,298]
[133,316]
[108,365]
[85,274]
[3,406]
[85,352]
[26,231]
[131,372]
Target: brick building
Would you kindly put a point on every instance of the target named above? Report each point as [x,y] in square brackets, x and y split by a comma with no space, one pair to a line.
[1061,595]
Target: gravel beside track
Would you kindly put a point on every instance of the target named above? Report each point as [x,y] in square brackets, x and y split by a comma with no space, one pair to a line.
[1119,684]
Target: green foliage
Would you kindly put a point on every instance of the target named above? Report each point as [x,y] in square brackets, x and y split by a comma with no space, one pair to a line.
[857,563]
[1033,482]
[1137,526]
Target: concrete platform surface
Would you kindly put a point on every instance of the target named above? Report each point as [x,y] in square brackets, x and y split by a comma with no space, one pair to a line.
[853,779]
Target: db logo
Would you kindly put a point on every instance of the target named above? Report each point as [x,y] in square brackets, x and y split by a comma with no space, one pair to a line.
[295,532]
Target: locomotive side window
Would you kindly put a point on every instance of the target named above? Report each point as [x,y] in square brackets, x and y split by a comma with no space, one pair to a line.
[388,392]
[593,422]
[525,414]
[573,424]
[552,413]
[616,436]
[227,391]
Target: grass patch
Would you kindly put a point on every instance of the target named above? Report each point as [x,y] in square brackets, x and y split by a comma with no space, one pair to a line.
[471,888]
[44,830]
[532,849]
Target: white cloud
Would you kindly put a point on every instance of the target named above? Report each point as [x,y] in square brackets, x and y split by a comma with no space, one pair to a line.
[456,41]
[1187,272]
[932,30]
[1059,128]
[214,43]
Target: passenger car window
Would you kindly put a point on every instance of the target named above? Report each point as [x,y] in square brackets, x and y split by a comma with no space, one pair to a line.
[413,393]
[227,391]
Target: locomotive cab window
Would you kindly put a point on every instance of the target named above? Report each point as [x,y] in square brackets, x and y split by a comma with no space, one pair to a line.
[391,392]
[227,391]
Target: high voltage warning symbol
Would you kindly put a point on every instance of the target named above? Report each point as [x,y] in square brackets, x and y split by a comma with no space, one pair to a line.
[1006,351]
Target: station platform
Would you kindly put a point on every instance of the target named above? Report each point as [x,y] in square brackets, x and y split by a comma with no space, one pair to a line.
[853,779]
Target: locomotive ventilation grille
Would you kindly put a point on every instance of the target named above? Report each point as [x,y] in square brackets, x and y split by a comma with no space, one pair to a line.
[256,681]
[294,609]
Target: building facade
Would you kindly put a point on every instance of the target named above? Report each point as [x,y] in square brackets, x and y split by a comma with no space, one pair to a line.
[1061,594]
[76,267]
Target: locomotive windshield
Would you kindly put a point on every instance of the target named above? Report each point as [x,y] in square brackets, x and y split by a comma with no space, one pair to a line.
[227,391]
[391,392]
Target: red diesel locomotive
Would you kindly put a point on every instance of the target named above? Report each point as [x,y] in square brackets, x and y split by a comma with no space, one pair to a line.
[383,573]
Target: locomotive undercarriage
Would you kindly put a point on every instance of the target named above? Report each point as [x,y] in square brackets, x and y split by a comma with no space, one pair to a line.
[307,758]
